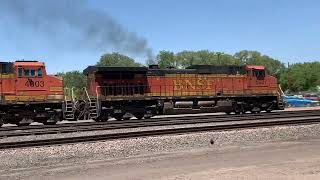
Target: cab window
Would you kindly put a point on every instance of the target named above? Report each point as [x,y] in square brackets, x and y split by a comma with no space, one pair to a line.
[39,73]
[29,72]
[32,72]
[259,74]
[20,72]
[26,72]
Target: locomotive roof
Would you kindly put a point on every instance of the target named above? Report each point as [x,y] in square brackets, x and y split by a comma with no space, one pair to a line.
[97,69]
[220,69]
[28,63]
[201,69]
[255,67]
[194,69]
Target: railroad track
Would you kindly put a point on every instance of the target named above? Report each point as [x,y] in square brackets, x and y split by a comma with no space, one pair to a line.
[112,136]
[12,128]
[112,125]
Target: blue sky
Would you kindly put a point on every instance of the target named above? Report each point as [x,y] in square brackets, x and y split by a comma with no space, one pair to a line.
[288,30]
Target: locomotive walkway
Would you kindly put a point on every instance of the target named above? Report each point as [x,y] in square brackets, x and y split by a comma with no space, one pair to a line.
[221,123]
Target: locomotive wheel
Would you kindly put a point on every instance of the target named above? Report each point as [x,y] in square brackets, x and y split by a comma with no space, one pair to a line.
[50,123]
[101,119]
[118,117]
[22,124]
[255,110]
[139,116]
[104,119]
[97,120]
[126,118]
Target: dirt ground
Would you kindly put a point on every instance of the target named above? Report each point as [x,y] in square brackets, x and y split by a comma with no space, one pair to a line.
[277,160]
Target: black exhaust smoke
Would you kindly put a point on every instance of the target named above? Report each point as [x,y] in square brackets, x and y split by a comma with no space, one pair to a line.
[87,27]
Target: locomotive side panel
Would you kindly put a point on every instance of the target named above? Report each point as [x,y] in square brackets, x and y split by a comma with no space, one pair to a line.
[186,85]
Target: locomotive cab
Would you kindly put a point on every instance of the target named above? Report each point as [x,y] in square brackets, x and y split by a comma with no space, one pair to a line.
[256,75]
[258,72]
[33,84]
[30,77]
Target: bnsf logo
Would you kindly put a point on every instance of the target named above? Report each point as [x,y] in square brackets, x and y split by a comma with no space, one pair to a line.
[196,84]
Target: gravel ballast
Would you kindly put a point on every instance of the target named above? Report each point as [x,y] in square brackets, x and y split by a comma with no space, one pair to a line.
[109,150]
[137,129]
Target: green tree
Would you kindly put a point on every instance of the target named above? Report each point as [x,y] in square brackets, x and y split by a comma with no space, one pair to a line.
[76,80]
[186,58]
[301,77]
[274,67]
[117,59]
[167,59]
[204,57]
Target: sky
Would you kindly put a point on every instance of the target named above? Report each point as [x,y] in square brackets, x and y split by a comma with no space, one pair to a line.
[287,30]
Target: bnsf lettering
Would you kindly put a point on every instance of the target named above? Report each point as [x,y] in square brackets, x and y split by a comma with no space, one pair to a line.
[31,83]
[197,84]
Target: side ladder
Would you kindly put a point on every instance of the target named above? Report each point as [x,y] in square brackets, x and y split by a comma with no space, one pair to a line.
[92,106]
[69,104]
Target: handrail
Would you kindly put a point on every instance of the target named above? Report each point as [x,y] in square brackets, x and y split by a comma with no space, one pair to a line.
[85,90]
[97,93]
[280,89]
[123,90]
[72,94]
[69,93]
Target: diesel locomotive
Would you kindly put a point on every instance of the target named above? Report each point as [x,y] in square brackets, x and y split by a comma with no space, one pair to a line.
[144,92]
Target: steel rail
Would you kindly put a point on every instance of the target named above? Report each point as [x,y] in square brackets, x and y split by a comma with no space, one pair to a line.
[138,124]
[3,129]
[146,133]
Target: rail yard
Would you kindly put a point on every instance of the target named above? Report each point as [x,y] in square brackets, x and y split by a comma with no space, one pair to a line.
[128,112]
[159,90]
[125,104]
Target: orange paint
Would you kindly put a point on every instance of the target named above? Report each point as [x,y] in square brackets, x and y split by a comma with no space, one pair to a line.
[29,81]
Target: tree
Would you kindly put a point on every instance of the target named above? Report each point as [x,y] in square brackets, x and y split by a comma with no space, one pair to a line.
[185,59]
[117,59]
[76,80]
[166,59]
[301,77]
[274,67]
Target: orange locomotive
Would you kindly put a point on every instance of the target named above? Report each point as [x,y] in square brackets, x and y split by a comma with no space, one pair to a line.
[144,92]
[28,94]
